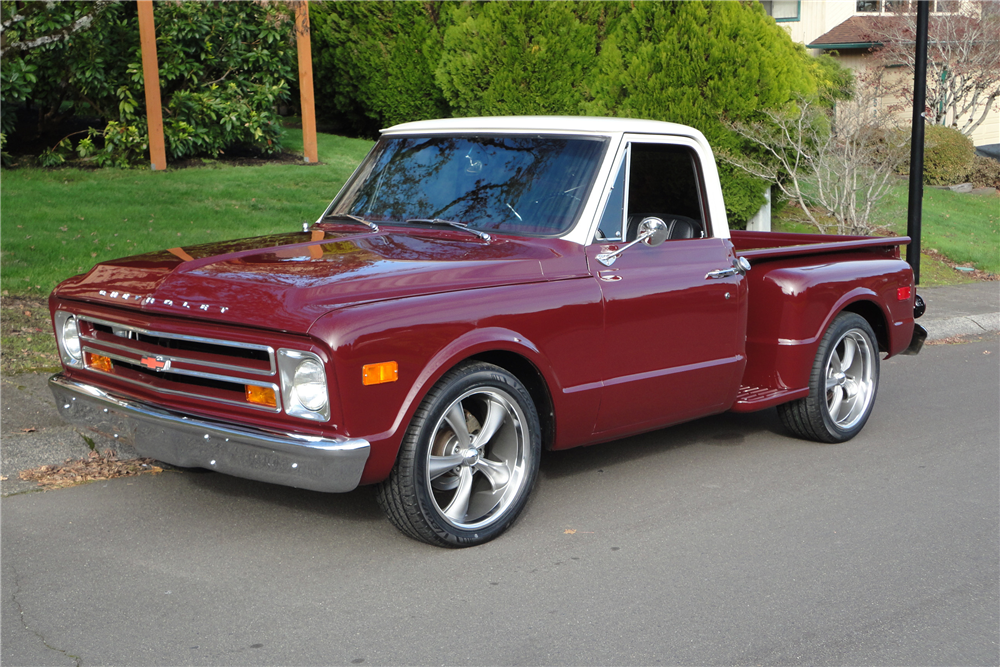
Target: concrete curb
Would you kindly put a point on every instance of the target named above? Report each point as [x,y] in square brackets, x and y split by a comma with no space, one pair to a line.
[966,325]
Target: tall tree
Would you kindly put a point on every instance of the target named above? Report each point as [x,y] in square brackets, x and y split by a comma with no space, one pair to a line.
[696,63]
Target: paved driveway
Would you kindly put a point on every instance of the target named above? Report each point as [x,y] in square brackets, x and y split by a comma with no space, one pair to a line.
[722,541]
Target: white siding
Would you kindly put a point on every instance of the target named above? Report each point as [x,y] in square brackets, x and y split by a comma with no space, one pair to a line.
[817,17]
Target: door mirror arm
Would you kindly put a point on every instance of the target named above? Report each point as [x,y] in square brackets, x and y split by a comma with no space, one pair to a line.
[652,232]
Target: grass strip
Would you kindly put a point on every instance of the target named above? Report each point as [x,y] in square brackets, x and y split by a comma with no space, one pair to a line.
[57,223]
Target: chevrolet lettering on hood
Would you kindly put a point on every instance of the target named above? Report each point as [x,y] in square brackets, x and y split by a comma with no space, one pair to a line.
[481,289]
[148,300]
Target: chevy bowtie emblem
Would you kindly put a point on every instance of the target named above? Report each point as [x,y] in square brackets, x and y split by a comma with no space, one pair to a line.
[155,363]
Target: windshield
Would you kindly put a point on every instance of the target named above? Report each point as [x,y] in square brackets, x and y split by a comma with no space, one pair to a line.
[515,184]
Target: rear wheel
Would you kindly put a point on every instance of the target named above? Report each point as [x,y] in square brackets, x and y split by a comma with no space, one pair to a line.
[842,385]
[468,461]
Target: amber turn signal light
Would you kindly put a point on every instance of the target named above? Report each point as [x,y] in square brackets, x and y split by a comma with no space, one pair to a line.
[100,362]
[261,396]
[387,371]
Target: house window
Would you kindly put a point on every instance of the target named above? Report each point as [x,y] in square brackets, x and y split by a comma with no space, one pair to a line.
[905,6]
[782,10]
[948,6]
[899,6]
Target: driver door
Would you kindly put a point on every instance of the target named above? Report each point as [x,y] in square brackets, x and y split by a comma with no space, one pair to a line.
[674,327]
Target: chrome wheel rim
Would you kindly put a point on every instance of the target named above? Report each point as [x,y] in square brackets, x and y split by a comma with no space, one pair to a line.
[477,456]
[850,381]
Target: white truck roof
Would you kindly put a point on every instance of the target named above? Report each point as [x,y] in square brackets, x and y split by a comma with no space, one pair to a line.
[613,128]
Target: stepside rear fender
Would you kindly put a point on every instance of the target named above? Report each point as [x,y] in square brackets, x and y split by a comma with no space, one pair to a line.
[792,302]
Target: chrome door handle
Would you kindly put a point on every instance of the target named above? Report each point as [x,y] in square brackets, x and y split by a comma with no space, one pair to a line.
[740,266]
[722,273]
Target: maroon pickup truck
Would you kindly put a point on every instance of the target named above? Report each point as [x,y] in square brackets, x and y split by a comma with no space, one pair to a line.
[479,290]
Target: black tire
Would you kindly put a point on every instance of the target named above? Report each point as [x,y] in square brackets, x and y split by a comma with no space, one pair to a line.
[842,385]
[451,493]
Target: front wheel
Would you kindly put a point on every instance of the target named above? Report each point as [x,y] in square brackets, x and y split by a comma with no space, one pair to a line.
[842,385]
[468,461]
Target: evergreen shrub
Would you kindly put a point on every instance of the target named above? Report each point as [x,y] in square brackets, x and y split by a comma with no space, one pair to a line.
[948,155]
[374,63]
[694,63]
[985,173]
[516,58]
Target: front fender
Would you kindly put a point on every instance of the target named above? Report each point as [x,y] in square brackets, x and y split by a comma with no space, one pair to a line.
[427,336]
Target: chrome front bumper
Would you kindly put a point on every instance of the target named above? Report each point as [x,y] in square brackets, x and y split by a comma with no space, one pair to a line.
[305,462]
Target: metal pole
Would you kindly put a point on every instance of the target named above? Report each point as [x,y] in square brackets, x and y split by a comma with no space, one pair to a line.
[915,207]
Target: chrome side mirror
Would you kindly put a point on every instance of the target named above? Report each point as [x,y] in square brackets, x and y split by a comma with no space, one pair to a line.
[652,232]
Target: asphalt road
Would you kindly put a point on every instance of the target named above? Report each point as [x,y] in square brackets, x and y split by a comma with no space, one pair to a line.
[723,541]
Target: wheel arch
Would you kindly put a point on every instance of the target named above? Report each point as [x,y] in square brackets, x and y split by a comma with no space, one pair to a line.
[532,379]
[876,319]
[499,346]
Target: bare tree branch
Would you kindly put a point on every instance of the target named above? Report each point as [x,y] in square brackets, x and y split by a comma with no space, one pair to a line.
[843,165]
[8,47]
[963,62]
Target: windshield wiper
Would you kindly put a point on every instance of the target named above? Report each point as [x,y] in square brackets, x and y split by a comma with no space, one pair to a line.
[451,223]
[355,218]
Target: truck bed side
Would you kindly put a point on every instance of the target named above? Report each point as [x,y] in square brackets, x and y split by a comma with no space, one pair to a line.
[797,284]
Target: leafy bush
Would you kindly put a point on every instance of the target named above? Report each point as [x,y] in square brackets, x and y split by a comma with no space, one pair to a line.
[224,66]
[948,155]
[985,173]
[381,63]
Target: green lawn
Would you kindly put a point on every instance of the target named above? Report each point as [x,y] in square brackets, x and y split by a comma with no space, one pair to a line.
[57,223]
[60,222]
[963,227]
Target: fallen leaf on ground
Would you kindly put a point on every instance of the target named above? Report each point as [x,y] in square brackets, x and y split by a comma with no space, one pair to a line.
[569,531]
[96,467]
[30,429]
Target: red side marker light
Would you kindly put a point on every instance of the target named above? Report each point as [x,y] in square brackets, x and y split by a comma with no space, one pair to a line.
[904,293]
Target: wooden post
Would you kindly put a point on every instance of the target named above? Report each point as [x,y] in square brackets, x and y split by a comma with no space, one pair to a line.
[302,42]
[151,82]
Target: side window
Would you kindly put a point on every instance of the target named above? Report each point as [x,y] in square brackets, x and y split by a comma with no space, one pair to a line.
[610,228]
[663,183]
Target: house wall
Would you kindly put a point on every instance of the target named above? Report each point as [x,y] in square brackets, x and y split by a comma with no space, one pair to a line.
[817,17]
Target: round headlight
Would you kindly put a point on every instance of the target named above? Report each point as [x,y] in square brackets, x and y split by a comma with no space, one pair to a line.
[309,385]
[71,338]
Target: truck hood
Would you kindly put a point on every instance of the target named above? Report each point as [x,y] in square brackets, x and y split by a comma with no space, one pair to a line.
[284,282]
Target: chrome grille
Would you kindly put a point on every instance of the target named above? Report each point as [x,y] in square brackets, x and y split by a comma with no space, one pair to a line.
[208,368]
